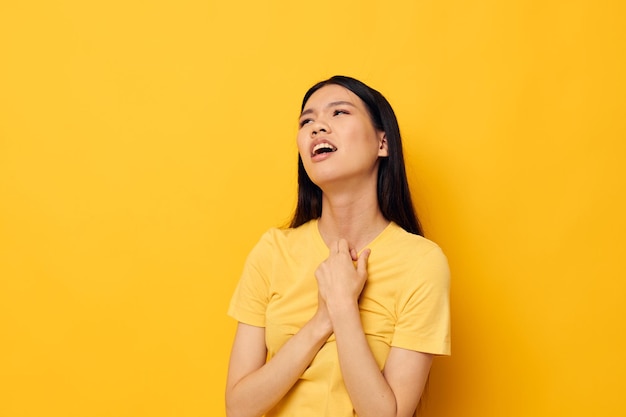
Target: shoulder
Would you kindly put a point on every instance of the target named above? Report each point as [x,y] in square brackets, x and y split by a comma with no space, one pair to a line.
[420,256]
[416,246]
[282,239]
[285,234]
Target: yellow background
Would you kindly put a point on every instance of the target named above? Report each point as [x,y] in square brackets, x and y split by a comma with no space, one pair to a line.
[146,145]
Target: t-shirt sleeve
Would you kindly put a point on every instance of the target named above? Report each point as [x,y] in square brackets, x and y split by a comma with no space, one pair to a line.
[249,301]
[423,308]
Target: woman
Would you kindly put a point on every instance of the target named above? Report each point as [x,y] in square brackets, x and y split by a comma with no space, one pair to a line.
[341,313]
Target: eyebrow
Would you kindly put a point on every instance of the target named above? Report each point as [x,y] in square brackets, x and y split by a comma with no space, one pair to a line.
[329,105]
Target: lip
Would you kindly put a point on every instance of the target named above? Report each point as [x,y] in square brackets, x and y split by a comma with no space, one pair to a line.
[325,154]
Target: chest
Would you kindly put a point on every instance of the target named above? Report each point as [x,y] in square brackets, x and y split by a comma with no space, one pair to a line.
[293,300]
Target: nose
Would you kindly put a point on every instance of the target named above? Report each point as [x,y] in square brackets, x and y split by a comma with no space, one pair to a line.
[316,131]
[319,127]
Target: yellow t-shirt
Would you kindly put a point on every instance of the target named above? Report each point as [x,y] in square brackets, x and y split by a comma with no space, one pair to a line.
[405,303]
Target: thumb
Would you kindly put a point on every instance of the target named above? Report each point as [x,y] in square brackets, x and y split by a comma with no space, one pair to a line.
[361,264]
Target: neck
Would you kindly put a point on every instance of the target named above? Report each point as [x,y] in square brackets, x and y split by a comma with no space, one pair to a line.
[355,217]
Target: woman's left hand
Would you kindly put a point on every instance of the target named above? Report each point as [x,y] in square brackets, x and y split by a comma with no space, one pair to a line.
[340,282]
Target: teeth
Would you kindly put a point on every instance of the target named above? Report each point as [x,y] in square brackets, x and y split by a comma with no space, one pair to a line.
[321,146]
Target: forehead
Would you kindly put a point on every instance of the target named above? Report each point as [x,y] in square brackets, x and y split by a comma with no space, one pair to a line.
[332,93]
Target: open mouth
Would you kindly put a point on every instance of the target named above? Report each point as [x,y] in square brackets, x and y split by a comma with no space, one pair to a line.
[323,147]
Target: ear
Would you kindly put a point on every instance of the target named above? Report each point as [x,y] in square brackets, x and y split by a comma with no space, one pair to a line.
[383,151]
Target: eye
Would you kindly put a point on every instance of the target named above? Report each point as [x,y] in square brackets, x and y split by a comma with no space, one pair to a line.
[340,111]
[304,122]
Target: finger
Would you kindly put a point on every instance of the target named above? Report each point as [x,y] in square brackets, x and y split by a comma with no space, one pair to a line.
[334,247]
[353,254]
[361,265]
[342,246]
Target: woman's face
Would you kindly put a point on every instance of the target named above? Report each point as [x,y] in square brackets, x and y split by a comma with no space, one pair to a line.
[337,140]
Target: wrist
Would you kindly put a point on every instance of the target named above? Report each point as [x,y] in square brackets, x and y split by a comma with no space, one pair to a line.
[322,325]
[342,309]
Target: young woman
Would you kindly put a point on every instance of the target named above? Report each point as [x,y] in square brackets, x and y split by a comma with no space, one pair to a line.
[341,313]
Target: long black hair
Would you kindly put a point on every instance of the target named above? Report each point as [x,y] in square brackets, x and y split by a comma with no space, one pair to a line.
[394,197]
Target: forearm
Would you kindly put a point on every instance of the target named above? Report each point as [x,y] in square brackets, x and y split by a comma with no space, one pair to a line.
[369,392]
[257,392]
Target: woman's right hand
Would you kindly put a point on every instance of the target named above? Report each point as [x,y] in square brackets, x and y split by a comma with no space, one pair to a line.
[339,280]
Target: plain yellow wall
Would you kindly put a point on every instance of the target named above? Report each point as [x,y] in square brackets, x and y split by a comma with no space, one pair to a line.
[145,146]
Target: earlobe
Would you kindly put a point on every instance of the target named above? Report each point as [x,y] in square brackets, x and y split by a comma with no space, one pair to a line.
[382,145]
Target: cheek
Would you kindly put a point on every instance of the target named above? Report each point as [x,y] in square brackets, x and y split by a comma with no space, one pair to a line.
[366,139]
[301,143]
